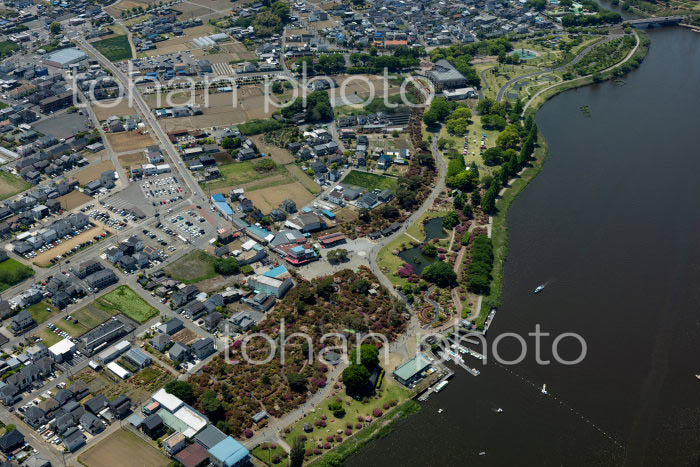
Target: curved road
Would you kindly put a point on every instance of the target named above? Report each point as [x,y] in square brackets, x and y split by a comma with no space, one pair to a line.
[576,59]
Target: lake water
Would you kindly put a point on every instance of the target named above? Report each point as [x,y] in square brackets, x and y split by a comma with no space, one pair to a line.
[612,224]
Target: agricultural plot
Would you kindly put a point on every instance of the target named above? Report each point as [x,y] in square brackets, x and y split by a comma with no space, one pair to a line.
[240,173]
[115,49]
[118,107]
[73,200]
[121,448]
[42,311]
[84,319]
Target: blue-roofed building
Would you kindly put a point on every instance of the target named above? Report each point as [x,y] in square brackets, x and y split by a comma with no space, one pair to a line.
[277,272]
[229,453]
[221,204]
[328,214]
[259,234]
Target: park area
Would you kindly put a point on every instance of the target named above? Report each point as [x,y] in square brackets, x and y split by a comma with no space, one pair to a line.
[370,181]
[115,49]
[331,428]
[194,267]
[12,272]
[123,448]
[10,185]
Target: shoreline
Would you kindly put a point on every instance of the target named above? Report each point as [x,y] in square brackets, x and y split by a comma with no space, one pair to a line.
[499,235]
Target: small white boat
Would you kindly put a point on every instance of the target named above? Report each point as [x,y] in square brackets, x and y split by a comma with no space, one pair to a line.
[539,288]
[440,386]
[482,453]
[499,410]
[439,410]
[697,376]
[544,389]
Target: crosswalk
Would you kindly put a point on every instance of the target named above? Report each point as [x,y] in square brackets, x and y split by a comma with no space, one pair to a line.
[222,69]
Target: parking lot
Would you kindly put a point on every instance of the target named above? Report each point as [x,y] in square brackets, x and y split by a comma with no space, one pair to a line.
[160,241]
[162,191]
[115,218]
[189,224]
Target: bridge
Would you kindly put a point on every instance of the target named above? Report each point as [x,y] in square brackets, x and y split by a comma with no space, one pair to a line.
[655,22]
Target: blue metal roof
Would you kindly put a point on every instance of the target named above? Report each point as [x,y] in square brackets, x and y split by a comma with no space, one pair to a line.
[276,272]
[229,452]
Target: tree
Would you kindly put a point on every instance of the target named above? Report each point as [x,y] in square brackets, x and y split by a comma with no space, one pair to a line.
[450,221]
[439,273]
[227,266]
[369,356]
[476,198]
[325,288]
[429,250]
[509,138]
[296,454]
[55,27]
[181,389]
[277,87]
[389,212]
[488,204]
[356,379]
[492,156]
[210,402]
[538,5]
[297,382]
[365,215]
[231,143]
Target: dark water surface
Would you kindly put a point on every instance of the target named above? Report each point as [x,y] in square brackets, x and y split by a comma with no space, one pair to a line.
[613,225]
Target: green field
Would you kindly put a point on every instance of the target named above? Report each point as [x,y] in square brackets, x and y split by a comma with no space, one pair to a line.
[124,300]
[12,272]
[7,47]
[49,337]
[115,48]
[194,267]
[370,181]
[10,184]
[42,311]
[238,173]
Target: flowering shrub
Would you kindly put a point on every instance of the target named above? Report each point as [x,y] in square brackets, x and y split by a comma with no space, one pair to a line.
[248,433]
[377,412]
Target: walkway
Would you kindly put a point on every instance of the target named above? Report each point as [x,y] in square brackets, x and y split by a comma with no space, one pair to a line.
[578,58]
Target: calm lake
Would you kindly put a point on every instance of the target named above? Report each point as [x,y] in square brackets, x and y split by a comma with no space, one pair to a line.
[612,224]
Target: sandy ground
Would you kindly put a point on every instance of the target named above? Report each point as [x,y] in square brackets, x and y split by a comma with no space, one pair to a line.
[92,172]
[44,258]
[129,141]
[136,158]
[73,200]
[122,449]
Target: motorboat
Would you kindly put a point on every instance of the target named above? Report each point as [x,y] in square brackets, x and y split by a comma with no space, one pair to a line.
[544,389]
[539,288]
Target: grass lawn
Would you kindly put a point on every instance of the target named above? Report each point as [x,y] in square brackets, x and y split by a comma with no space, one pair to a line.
[115,48]
[193,267]
[7,47]
[124,300]
[388,393]
[389,263]
[50,338]
[266,452]
[12,272]
[42,311]
[370,181]
[238,173]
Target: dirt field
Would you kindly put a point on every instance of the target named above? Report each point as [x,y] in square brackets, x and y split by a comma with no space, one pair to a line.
[185,336]
[351,89]
[279,155]
[129,141]
[221,109]
[268,199]
[73,200]
[116,107]
[136,158]
[44,259]
[181,43]
[93,171]
[123,448]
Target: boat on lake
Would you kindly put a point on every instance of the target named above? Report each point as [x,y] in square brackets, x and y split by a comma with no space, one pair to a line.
[440,386]
[539,288]
[544,389]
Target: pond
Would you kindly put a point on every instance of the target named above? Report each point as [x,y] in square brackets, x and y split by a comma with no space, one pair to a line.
[525,54]
[415,257]
[433,229]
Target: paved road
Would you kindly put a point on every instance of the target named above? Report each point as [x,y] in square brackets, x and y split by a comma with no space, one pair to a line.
[578,58]
[427,204]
